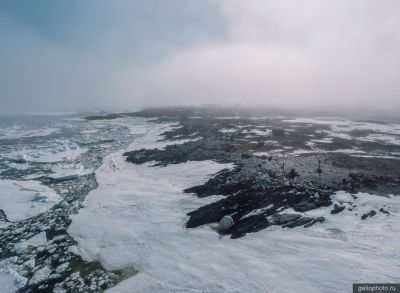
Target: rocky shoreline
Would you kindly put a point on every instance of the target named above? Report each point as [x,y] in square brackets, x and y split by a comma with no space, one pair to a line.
[261,187]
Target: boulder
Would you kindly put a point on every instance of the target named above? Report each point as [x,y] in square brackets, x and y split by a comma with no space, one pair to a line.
[337,209]
[226,223]
[314,221]
[282,219]
[299,222]
[305,206]
[249,224]
[371,213]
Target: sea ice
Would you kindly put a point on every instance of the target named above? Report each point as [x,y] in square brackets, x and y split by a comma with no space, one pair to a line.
[10,279]
[68,171]
[57,151]
[24,199]
[18,132]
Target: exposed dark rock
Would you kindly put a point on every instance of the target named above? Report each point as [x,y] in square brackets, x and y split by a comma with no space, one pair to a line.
[305,206]
[282,219]
[299,222]
[382,210]
[314,221]
[3,217]
[312,204]
[259,185]
[276,132]
[249,224]
[337,209]
[371,213]
[292,174]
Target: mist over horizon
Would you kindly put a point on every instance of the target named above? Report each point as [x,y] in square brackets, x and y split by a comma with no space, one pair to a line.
[120,56]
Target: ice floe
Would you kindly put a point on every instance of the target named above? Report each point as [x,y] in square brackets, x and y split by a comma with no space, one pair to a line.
[57,151]
[68,171]
[18,132]
[24,199]
[10,279]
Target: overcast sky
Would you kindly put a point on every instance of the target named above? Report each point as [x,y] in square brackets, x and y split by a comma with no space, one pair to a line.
[120,55]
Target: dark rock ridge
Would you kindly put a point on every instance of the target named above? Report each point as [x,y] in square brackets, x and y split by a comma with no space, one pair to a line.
[371,213]
[265,180]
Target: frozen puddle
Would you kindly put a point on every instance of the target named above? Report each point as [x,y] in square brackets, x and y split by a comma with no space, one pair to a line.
[24,199]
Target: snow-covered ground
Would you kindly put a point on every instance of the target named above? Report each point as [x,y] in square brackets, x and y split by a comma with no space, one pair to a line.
[24,199]
[257,132]
[385,132]
[136,218]
[147,133]
[347,125]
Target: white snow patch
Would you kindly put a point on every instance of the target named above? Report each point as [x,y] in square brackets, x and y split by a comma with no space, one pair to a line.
[267,132]
[227,117]
[258,132]
[148,134]
[388,132]
[378,156]
[24,199]
[89,131]
[228,130]
[322,140]
[318,151]
[336,134]
[389,139]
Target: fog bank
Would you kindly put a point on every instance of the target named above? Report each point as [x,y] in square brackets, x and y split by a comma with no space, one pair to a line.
[286,53]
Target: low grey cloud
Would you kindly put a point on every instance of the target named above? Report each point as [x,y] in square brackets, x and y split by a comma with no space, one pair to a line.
[287,53]
[291,53]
